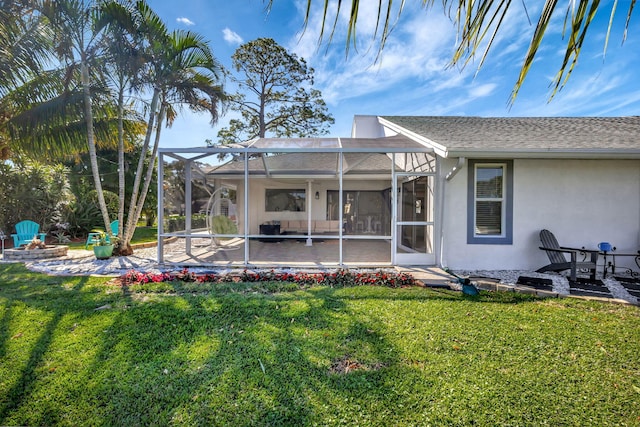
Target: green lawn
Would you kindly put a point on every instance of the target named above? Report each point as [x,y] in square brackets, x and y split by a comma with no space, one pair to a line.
[140,235]
[75,351]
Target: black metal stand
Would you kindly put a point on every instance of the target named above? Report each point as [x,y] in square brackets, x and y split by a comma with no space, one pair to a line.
[628,271]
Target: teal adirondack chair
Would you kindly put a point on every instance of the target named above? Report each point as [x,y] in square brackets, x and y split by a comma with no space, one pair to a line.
[92,238]
[25,232]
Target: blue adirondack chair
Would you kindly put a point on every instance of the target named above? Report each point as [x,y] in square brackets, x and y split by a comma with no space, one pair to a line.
[25,232]
[93,238]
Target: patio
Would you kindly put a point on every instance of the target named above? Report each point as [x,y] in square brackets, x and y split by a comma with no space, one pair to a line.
[280,252]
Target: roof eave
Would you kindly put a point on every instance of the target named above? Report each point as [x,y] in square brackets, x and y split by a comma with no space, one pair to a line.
[439,149]
[596,154]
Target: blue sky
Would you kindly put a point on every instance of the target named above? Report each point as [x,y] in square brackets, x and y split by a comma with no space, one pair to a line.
[413,76]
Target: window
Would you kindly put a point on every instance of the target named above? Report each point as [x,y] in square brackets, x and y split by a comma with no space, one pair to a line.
[278,200]
[490,202]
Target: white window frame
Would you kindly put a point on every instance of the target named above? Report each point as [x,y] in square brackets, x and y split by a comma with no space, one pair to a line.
[502,199]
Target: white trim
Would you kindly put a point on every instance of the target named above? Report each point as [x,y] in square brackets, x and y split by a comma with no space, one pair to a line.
[502,199]
[439,149]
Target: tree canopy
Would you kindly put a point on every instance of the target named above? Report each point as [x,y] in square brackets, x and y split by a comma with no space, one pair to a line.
[115,63]
[275,95]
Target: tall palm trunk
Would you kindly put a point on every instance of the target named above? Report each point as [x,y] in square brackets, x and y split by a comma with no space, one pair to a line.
[93,158]
[121,181]
[149,175]
[132,219]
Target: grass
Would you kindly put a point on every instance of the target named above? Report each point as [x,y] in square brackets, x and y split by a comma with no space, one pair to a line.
[142,234]
[79,351]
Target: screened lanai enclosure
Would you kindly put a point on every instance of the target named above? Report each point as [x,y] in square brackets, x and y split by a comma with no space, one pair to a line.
[298,202]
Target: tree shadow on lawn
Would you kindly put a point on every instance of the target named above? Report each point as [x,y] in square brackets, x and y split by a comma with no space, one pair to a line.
[236,359]
[243,359]
[231,360]
[44,300]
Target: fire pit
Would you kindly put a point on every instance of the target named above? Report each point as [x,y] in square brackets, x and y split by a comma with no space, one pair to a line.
[22,254]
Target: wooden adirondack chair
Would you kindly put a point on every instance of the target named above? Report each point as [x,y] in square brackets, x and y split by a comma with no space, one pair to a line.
[556,254]
[25,232]
[92,238]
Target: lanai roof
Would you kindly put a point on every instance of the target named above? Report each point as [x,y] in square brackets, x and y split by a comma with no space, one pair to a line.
[319,156]
[304,163]
[397,144]
[584,137]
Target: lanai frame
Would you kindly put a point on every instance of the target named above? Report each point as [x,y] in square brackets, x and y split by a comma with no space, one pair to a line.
[401,151]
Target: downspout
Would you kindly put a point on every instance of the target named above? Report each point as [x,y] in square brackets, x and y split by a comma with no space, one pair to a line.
[448,177]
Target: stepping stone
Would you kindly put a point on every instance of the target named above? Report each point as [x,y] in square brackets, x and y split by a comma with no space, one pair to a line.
[587,293]
[536,282]
[635,293]
[587,281]
[589,287]
[631,285]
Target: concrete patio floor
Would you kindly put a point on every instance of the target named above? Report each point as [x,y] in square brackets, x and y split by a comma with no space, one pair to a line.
[322,253]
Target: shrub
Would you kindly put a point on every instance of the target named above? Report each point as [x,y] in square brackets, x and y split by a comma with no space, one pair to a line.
[82,216]
[177,223]
[339,278]
[33,191]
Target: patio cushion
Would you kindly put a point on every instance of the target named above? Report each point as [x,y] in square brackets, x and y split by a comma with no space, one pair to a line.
[317,226]
[322,226]
[293,226]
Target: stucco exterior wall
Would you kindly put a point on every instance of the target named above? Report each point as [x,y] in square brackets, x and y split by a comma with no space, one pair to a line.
[257,214]
[583,202]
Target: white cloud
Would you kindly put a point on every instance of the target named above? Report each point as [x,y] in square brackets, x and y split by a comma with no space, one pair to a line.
[418,50]
[482,90]
[231,37]
[185,21]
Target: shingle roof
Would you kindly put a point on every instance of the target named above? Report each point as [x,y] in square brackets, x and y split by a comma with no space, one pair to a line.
[525,134]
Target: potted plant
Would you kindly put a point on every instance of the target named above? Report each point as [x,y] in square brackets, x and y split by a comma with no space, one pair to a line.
[103,245]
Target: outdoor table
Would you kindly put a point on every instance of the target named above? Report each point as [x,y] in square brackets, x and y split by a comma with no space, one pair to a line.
[612,263]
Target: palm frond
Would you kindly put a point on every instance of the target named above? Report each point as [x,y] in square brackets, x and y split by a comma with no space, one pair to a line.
[479,23]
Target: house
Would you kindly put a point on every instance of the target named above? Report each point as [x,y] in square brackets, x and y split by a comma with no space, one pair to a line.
[462,192]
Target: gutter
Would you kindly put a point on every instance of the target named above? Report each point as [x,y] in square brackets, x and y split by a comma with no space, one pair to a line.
[551,154]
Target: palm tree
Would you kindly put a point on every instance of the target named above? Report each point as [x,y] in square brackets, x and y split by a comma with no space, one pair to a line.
[97,44]
[479,21]
[42,109]
[124,63]
[79,46]
[24,42]
[45,117]
[180,69]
